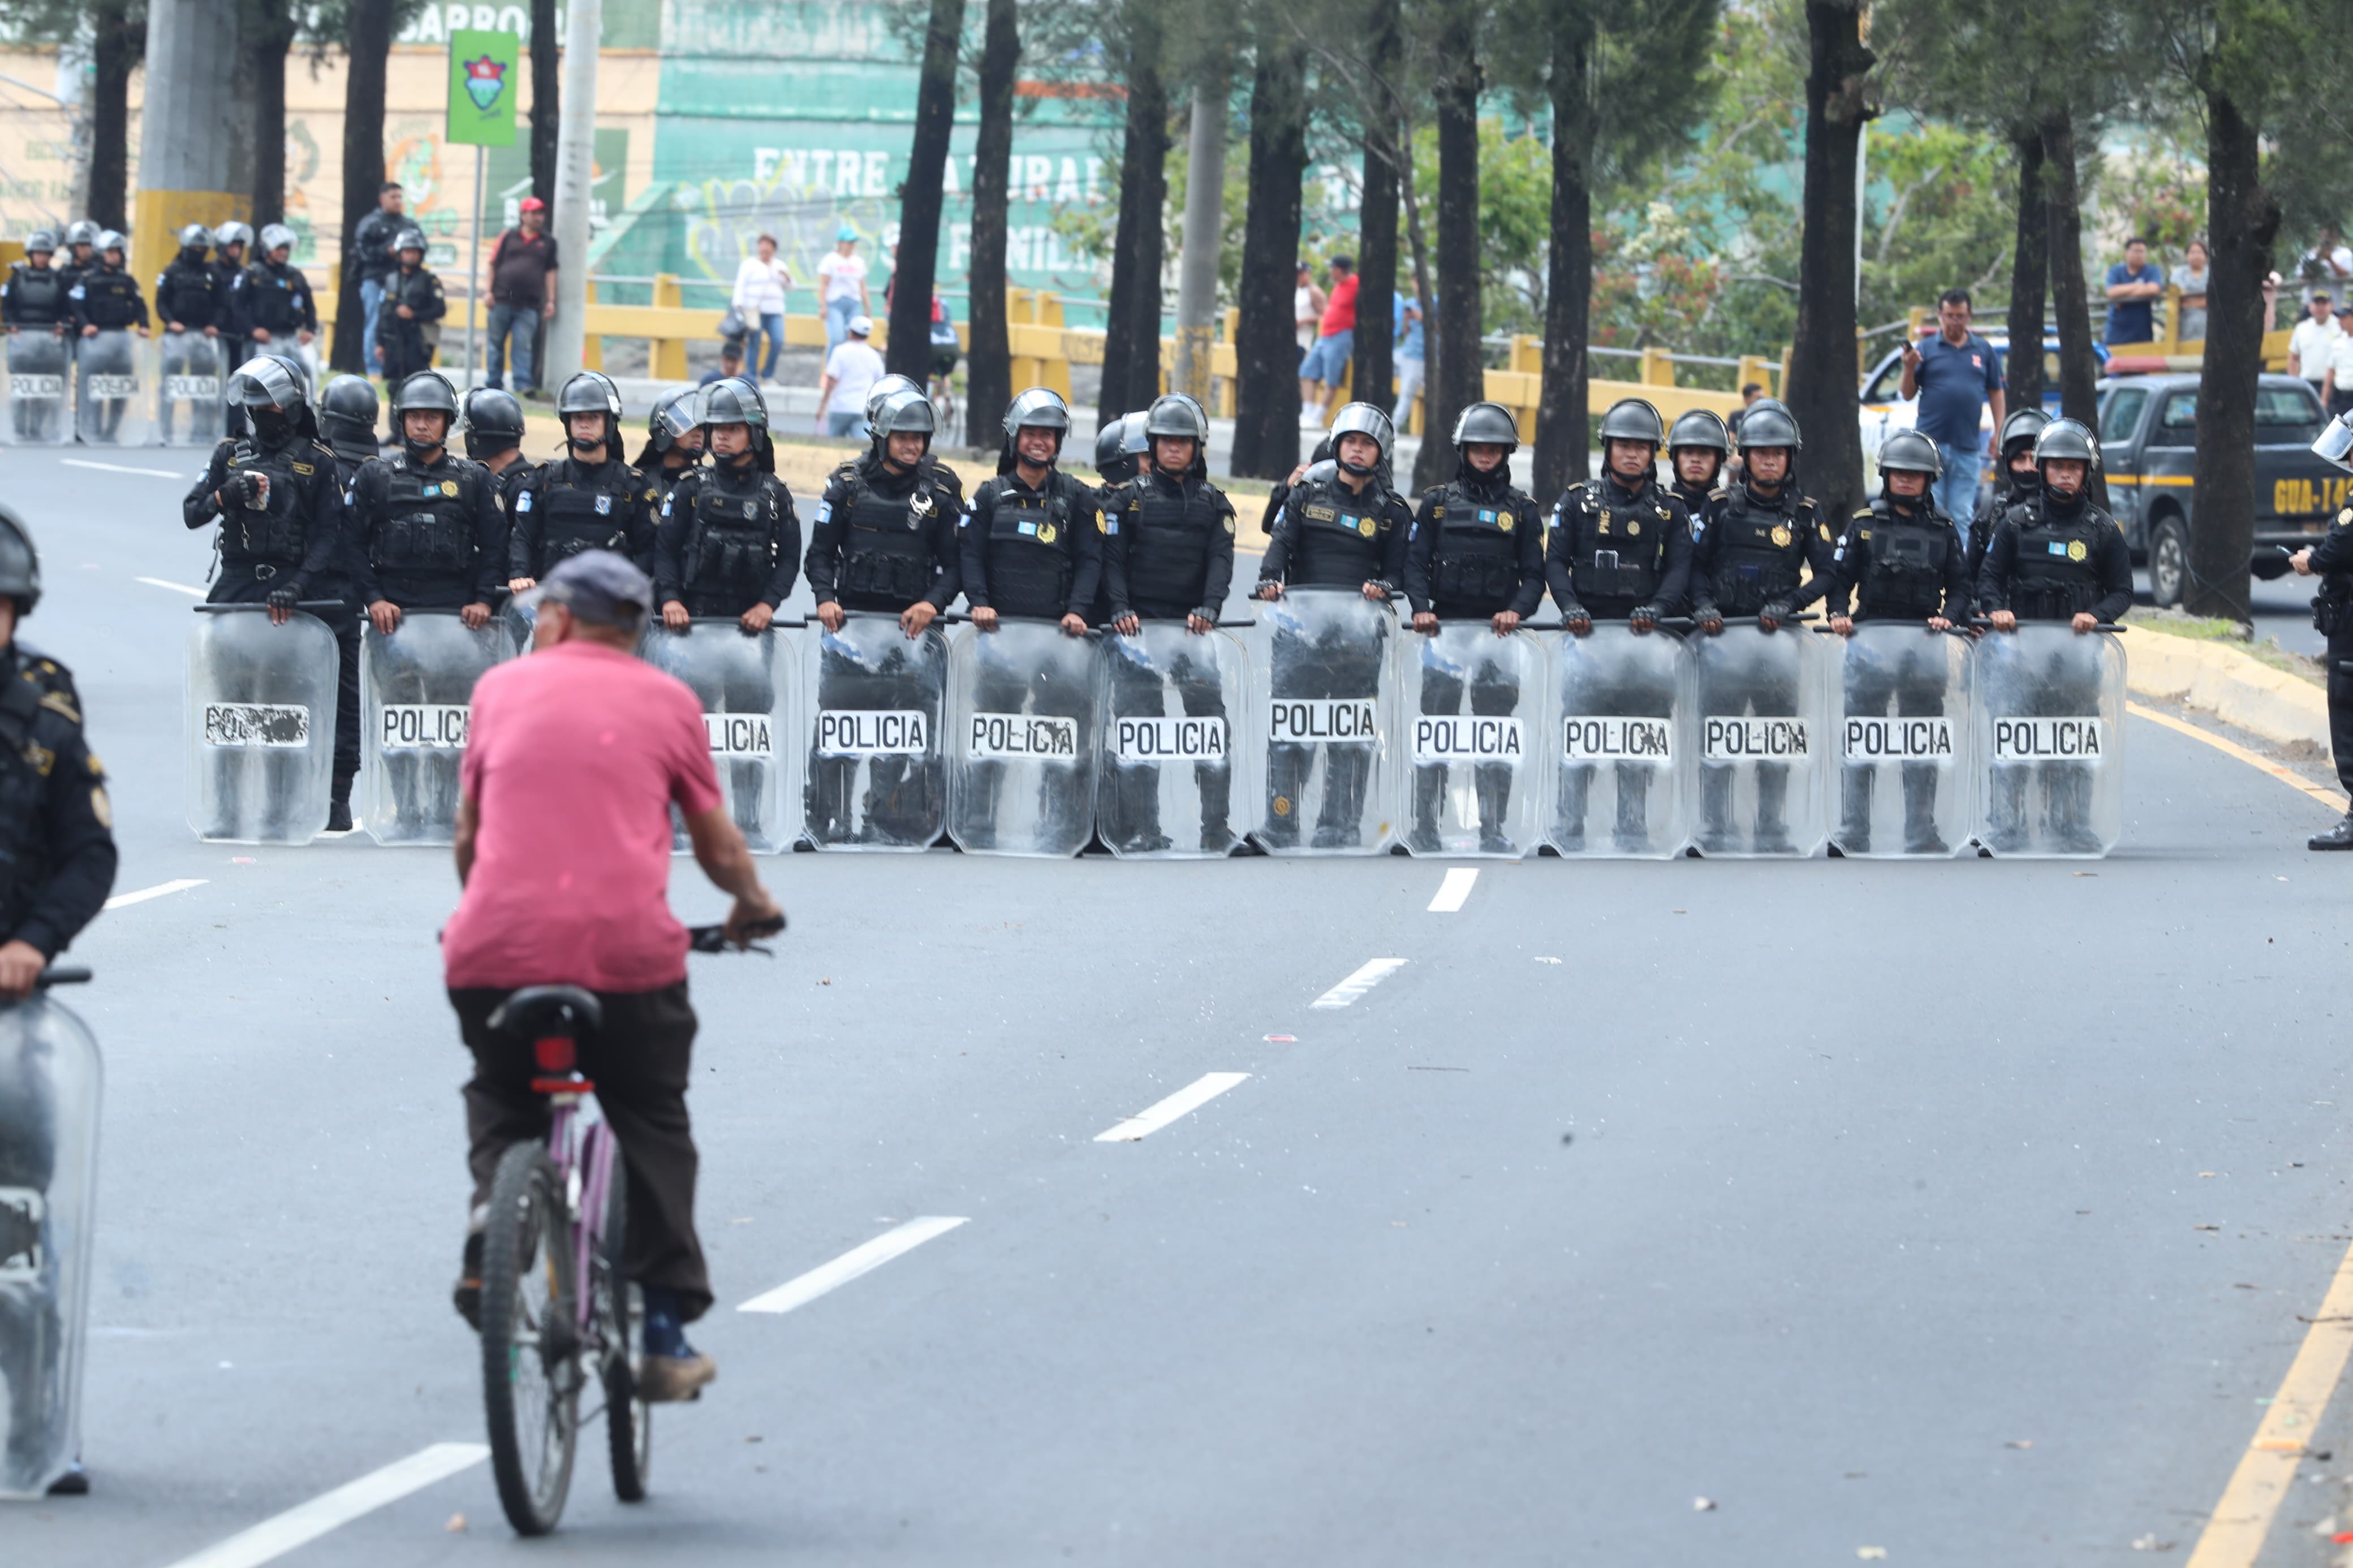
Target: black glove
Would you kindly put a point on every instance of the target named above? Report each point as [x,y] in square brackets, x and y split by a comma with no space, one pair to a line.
[1642,613]
[283,598]
[1708,616]
[1576,620]
[252,488]
[1776,611]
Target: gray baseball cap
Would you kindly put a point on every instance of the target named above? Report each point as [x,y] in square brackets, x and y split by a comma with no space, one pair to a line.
[600,588]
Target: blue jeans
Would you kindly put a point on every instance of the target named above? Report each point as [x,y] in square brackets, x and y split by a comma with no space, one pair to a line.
[1327,362]
[836,319]
[774,325]
[371,302]
[1956,491]
[845,421]
[522,323]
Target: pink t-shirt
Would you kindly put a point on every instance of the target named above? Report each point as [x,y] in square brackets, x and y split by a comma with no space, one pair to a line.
[574,756]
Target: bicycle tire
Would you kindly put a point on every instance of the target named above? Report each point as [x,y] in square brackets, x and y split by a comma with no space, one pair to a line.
[628,1420]
[527,1239]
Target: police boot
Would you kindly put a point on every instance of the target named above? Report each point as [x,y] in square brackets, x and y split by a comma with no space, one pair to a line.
[339,805]
[1216,786]
[1340,824]
[2337,838]
[1138,791]
[2071,811]
[1920,835]
[1429,790]
[1772,810]
[1715,811]
[2006,818]
[886,781]
[1286,776]
[1494,787]
[1633,809]
[832,780]
[984,785]
[1854,815]
[747,785]
[1568,829]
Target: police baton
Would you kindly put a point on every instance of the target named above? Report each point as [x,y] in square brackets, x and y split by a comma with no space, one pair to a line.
[314,605]
[62,974]
[2110,627]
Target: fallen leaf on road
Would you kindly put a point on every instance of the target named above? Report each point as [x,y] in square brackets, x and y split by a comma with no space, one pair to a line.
[1702,1505]
[2151,1544]
[2202,1175]
[2020,1443]
[2205,1227]
[457,1525]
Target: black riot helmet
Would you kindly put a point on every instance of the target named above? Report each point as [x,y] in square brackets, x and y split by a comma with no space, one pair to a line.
[1699,427]
[347,417]
[40,242]
[887,387]
[736,401]
[1131,438]
[20,562]
[591,392]
[1911,450]
[195,237]
[2066,438]
[272,399]
[1634,419]
[673,414]
[1363,419]
[493,422]
[1113,460]
[1038,408]
[1486,425]
[904,413]
[2021,429]
[426,392]
[1767,421]
[1178,417]
[410,238]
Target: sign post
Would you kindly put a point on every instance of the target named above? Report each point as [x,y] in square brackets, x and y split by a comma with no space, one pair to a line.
[483,69]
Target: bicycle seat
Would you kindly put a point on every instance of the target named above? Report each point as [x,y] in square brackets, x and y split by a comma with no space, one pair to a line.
[538,1010]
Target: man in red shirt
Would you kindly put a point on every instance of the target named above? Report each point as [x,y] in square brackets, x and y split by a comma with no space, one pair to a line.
[574,758]
[1327,362]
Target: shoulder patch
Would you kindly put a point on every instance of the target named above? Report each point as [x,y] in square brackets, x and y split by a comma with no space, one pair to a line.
[305,470]
[58,702]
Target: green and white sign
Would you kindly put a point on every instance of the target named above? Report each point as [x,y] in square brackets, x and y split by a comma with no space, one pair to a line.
[485,74]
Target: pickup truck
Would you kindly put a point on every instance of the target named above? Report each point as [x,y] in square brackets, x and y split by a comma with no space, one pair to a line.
[2148,431]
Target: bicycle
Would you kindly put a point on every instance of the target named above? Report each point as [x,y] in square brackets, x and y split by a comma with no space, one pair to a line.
[558,1215]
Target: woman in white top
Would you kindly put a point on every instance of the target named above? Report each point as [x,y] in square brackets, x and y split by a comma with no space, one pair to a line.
[842,286]
[2190,278]
[760,285]
[1306,310]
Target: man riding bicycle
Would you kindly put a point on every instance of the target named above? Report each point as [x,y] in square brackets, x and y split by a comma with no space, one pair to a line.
[573,759]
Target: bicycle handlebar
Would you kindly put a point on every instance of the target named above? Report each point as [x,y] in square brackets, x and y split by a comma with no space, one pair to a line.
[713,938]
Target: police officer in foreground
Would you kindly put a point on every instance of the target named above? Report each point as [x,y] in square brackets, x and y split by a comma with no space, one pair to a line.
[2056,557]
[39,316]
[2331,560]
[407,326]
[588,498]
[81,250]
[1903,560]
[231,241]
[673,445]
[107,303]
[426,529]
[729,542]
[274,491]
[1621,549]
[1475,552]
[2016,482]
[186,305]
[269,300]
[58,846]
[1698,446]
[348,412]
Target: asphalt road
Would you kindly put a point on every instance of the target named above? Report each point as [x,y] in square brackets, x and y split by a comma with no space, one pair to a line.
[1968,1211]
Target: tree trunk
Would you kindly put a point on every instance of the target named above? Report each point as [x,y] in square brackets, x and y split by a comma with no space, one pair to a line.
[1131,372]
[118,40]
[369,43]
[989,380]
[2243,218]
[1458,375]
[918,255]
[2079,367]
[1823,376]
[2029,275]
[546,96]
[1373,378]
[1266,355]
[1560,434]
[271,35]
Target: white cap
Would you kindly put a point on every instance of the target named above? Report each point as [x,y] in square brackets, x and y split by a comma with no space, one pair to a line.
[862,326]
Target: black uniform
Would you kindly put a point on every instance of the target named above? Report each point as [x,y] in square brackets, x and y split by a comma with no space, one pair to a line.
[183,295]
[2332,615]
[1615,549]
[728,539]
[274,297]
[1168,553]
[1902,562]
[106,298]
[880,542]
[33,302]
[1475,550]
[2008,491]
[404,345]
[563,506]
[225,274]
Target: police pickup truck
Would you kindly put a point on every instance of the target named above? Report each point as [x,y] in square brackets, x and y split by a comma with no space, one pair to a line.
[2148,434]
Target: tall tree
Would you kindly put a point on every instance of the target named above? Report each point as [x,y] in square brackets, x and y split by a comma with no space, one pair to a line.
[1373,377]
[1266,382]
[1822,356]
[264,35]
[2079,365]
[546,98]
[910,350]
[1131,367]
[2030,275]
[117,39]
[367,42]
[1459,377]
[988,383]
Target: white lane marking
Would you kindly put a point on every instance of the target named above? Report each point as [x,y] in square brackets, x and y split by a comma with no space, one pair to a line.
[1454,890]
[121,468]
[273,1538]
[1183,1102]
[175,587]
[858,1260]
[1369,975]
[179,885]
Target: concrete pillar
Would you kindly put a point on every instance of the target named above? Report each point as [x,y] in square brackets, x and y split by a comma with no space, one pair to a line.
[1197,267]
[576,151]
[186,170]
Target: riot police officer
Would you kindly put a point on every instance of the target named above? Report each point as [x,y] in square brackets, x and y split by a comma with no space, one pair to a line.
[106,301]
[1901,560]
[588,499]
[39,316]
[426,529]
[1698,446]
[185,304]
[348,411]
[1475,552]
[493,422]
[1342,527]
[408,325]
[2018,482]
[81,250]
[273,490]
[673,438]
[729,541]
[1122,451]
[1168,555]
[2056,557]
[231,241]
[2331,560]
[269,300]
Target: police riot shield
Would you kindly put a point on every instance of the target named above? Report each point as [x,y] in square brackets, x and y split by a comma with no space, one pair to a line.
[1171,750]
[518,620]
[415,686]
[876,702]
[1903,739]
[1622,706]
[1471,706]
[189,410]
[114,400]
[37,385]
[1022,710]
[2051,740]
[746,686]
[1762,728]
[49,1081]
[261,726]
[1324,714]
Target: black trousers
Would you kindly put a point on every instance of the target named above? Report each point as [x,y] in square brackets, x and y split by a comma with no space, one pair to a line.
[36,349]
[2340,704]
[640,1063]
[1329,668]
[242,584]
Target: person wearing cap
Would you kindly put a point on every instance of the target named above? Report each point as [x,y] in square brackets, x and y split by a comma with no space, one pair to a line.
[426,530]
[370,261]
[729,541]
[730,363]
[409,327]
[39,316]
[106,301]
[841,286]
[562,850]
[586,498]
[851,367]
[271,299]
[673,445]
[2018,482]
[183,303]
[521,283]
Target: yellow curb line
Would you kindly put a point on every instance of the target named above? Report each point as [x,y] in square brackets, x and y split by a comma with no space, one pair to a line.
[2287,775]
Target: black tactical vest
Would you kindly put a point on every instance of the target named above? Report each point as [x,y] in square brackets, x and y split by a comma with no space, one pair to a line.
[271,298]
[184,294]
[1474,568]
[272,534]
[1169,536]
[38,294]
[1905,581]
[731,550]
[2057,571]
[1032,549]
[428,524]
[39,721]
[1339,539]
[1619,547]
[581,511]
[110,299]
[886,550]
[1758,548]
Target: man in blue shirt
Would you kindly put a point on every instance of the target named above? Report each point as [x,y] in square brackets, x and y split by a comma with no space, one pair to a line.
[1953,375]
[2132,288]
[1405,314]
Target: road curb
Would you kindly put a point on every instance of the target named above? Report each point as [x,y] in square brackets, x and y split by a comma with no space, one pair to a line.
[2238,689]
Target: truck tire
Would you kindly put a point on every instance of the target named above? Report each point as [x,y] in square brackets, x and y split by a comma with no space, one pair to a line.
[2168,561]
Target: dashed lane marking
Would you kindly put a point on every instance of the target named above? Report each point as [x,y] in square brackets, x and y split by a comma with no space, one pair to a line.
[1183,1102]
[1454,890]
[160,889]
[2287,775]
[121,469]
[1367,975]
[858,1260]
[175,587]
[273,1538]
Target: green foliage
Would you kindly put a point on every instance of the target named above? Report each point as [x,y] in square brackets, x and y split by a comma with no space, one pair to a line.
[1515,222]
[1940,213]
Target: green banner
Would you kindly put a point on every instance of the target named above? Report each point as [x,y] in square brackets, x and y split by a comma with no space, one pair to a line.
[485,73]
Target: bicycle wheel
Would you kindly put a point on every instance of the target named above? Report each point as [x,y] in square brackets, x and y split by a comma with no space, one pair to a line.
[628,1420]
[530,1341]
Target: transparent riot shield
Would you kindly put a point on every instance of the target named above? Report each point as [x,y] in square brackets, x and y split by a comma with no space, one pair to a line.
[189,411]
[1022,709]
[1622,705]
[114,397]
[39,387]
[415,686]
[1903,738]
[1762,729]
[261,726]
[518,620]
[1171,750]
[1324,714]
[2051,740]
[877,772]
[1471,714]
[50,1082]
[746,686]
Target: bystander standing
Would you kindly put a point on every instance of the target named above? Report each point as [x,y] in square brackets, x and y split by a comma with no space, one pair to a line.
[760,284]
[371,261]
[2327,267]
[2134,286]
[523,294]
[1412,353]
[841,286]
[1326,365]
[1306,309]
[852,367]
[2312,345]
[1955,374]
[730,363]
[2190,278]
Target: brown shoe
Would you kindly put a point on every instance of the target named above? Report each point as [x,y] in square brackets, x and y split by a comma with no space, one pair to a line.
[668,1379]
